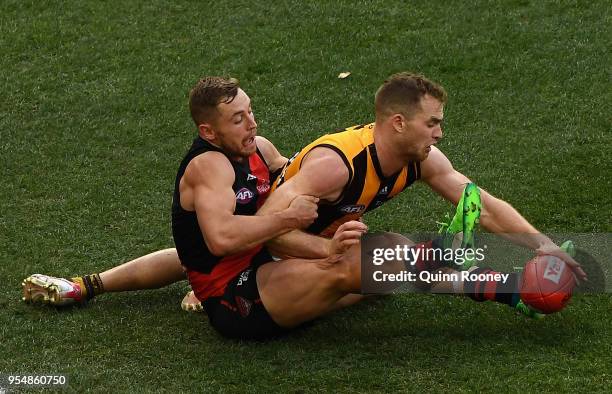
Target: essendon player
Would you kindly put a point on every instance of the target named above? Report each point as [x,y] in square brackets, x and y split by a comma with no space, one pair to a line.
[221,184]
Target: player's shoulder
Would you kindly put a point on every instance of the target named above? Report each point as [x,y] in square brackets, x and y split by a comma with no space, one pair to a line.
[326,163]
[435,163]
[435,156]
[351,138]
[263,143]
[273,158]
[323,155]
[339,148]
[209,167]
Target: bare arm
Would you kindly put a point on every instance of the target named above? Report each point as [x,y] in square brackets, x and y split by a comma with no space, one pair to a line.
[299,244]
[323,174]
[497,215]
[206,187]
[294,243]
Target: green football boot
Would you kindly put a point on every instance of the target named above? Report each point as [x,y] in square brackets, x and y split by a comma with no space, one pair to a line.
[569,248]
[526,310]
[464,222]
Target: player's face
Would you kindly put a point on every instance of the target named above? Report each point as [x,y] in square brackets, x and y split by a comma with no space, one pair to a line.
[235,127]
[424,129]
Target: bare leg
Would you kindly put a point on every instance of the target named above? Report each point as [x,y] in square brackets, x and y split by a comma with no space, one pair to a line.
[296,290]
[347,300]
[152,271]
[155,270]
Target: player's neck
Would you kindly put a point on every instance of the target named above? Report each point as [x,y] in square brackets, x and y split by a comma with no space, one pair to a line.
[390,161]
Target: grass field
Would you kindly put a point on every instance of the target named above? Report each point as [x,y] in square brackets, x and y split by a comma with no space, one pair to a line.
[94,122]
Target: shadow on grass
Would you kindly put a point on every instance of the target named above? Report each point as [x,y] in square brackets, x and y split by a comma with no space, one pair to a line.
[416,318]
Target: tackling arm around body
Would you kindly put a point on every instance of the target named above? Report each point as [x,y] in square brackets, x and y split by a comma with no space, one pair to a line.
[323,174]
[206,188]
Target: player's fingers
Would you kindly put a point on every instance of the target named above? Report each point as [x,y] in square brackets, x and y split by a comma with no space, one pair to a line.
[346,235]
[312,199]
[349,242]
[567,258]
[574,265]
[579,273]
[354,226]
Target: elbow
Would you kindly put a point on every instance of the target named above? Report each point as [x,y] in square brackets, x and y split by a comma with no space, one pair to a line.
[275,247]
[219,246]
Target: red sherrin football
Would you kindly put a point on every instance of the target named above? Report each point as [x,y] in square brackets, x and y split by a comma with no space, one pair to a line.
[547,284]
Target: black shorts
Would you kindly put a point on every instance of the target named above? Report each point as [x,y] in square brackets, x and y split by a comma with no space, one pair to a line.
[239,312]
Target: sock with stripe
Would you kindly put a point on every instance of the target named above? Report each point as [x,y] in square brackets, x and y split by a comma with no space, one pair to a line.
[492,290]
[91,285]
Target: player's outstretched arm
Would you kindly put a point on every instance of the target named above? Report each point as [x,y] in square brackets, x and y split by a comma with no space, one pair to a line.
[497,215]
[206,187]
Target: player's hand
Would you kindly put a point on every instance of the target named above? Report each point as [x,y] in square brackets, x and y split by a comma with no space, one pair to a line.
[302,211]
[347,235]
[553,250]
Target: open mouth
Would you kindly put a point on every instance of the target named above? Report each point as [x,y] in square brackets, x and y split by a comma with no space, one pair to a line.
[248,141]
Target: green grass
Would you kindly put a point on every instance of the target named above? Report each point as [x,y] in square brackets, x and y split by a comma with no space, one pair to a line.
[94,123]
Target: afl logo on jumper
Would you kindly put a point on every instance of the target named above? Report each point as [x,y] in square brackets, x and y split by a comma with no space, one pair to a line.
[244,196]
[352,208]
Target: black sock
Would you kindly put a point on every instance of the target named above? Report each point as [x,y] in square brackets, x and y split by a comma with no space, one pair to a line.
[490,289]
